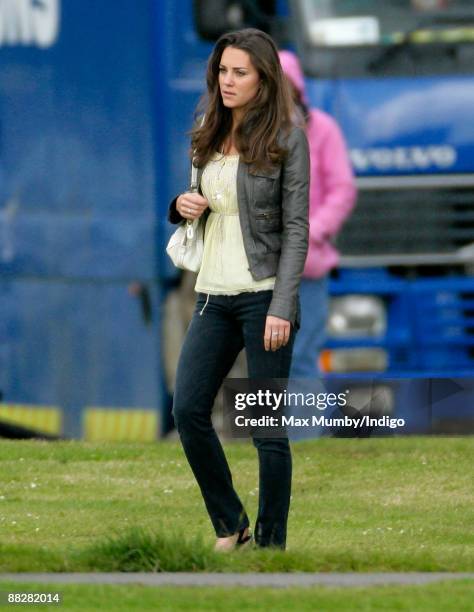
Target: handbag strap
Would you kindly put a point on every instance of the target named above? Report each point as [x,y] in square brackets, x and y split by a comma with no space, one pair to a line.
[194,170]
[194,175]
[193,189]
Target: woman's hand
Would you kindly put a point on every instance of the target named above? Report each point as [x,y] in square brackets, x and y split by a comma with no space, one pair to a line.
[191,205]
[277,333]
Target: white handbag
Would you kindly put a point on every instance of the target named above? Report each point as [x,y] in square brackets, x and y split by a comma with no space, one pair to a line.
[186,245]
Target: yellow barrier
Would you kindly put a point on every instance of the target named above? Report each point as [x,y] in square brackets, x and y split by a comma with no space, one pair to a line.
[114,424]
[44,419]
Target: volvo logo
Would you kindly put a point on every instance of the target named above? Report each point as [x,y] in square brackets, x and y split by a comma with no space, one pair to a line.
[404,158]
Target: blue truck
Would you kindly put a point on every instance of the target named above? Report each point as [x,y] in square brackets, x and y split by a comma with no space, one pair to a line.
[95,102]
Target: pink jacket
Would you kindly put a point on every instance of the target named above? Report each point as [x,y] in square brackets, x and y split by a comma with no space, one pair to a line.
[332,184]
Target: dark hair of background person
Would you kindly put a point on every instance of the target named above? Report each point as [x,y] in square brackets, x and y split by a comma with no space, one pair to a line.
[272,109]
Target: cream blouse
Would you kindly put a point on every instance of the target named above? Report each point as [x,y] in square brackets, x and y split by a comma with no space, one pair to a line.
[224,269]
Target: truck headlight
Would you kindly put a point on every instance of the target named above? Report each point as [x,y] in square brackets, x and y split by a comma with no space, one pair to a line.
[353,316]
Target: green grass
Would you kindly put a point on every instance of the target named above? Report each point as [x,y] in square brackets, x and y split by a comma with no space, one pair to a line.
[450,595]
[399,504]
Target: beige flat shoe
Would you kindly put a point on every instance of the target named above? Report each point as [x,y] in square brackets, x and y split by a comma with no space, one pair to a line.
[241,539]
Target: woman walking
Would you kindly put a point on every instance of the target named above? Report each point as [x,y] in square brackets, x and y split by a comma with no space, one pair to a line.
[253,174]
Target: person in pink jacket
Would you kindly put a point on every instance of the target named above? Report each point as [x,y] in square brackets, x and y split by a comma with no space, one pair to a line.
[332,197]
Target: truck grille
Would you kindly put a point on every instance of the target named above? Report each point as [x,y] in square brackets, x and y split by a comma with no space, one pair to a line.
[409,219]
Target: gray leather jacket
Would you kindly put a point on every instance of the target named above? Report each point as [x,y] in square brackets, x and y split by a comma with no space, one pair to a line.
[273,212]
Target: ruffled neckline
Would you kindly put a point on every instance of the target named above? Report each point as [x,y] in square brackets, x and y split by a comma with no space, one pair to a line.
[218,155]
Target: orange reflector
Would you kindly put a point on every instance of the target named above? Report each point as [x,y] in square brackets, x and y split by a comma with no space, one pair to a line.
[324,361]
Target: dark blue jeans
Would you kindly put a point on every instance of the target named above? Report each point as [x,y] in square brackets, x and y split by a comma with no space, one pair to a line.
[213,341]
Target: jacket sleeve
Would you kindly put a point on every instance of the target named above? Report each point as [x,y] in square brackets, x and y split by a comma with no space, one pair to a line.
[173,214]
[295,227]
[338,185]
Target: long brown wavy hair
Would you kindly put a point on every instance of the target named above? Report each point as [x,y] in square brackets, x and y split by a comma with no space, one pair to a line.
[256,137]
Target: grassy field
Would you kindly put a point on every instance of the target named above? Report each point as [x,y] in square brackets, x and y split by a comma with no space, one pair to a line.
[456,596]
[400,504]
